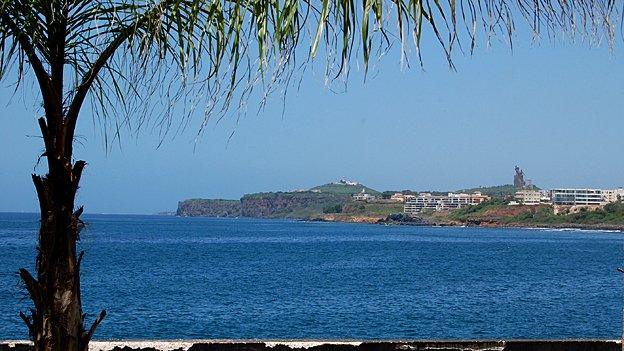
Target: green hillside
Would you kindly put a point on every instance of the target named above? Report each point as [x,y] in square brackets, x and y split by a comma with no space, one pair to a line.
[496,211]
[344,189]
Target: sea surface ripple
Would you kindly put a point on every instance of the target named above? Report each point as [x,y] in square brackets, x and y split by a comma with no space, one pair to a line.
[163,277]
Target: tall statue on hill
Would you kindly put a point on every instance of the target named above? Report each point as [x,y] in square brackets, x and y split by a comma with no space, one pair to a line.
[519,178]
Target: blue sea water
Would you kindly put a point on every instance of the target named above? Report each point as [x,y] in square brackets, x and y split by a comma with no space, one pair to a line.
[168,278]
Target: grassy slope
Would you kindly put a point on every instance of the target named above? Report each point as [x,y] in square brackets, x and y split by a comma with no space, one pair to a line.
[496,211]
[372,208]
[611,214]
[477,211]
[343,189]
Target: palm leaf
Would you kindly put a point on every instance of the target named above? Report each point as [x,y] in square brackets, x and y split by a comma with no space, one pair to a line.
[133,52]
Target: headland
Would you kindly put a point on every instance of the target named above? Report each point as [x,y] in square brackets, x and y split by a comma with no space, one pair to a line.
[517,205]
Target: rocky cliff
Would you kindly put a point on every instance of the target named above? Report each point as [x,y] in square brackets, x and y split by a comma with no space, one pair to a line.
[209,208]
[303,204]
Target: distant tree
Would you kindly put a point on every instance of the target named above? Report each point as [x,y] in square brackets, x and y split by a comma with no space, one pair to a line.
[332,209]
[387,194]
[140,62]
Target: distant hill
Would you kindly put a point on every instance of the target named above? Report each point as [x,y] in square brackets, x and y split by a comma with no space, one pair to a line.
[498,191]
[344,189]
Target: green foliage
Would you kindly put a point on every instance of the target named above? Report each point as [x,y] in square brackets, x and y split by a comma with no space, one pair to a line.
[467,212]
[387,194]
[344,189]
[141,60]
[332,209]
[611,214]
[614,208]
[372,208]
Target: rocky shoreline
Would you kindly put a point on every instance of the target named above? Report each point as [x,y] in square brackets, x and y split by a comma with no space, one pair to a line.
[427,222]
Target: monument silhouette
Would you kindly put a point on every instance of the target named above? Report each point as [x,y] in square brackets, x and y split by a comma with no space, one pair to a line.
[519,178]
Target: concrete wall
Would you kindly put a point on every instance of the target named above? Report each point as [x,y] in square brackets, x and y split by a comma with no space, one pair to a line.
[485,345]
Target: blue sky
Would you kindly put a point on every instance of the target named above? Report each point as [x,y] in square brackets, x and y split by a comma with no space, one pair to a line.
[555,109]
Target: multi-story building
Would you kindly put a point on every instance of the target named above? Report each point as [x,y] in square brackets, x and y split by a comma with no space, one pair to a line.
[363,196]
[426,201]
[575,197]
[613,195]
[528,197]
[398,197]
[610,195]
[545,196]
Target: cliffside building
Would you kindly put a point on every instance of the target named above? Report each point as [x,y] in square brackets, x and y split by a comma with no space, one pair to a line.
[363,196]
[528,197]
[613,195]
[399,197]
[576,197]
[426,201]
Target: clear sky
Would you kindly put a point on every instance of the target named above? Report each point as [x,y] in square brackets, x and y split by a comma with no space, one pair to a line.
[555,109]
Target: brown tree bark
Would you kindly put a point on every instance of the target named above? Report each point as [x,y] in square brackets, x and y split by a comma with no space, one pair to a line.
[57,322]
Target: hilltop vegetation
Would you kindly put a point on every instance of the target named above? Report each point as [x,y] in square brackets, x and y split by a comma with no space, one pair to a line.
[344,189]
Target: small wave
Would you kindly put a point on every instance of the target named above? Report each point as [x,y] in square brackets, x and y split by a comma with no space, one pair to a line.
[580,230]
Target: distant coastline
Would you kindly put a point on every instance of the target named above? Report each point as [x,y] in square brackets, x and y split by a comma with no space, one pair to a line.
[426,223]
[352,202]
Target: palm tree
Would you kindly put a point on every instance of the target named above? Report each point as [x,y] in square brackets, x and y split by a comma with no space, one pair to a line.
[142,62]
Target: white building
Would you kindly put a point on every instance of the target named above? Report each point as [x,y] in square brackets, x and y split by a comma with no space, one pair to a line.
[545,196]
[575,197]
[347,182]
[363,196]
[613,195]
[398,197]
[426,201]
[609,195]
[528,197]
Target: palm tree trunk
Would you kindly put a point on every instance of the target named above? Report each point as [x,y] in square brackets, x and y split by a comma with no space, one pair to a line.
[56,322]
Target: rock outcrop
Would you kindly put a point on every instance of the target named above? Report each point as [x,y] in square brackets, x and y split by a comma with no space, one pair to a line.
[209,208]
[303,204]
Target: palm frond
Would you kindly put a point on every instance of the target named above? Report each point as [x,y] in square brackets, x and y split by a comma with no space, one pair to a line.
[129,56]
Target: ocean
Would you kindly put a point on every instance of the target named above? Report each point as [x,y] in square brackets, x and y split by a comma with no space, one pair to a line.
[163,277]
